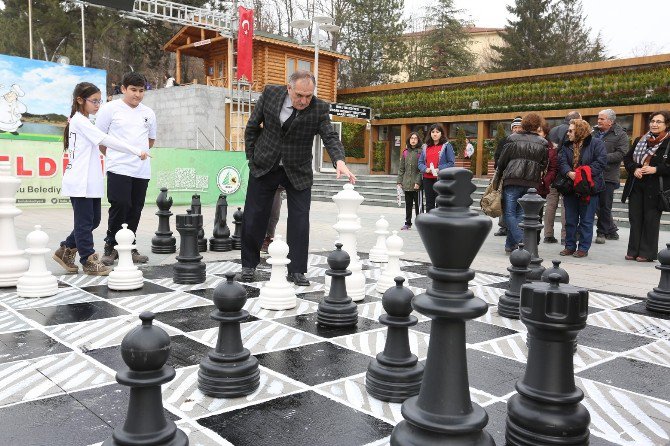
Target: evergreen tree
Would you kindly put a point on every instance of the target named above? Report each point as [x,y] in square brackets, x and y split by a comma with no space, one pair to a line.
[571,35]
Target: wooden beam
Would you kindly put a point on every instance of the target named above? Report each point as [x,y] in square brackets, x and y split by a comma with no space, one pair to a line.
[229,65]
[178,67]
[482,133]
[202,33]
[197,43]
[638,124]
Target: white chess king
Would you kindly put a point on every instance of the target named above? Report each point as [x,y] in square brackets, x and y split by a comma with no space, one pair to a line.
[278,293]
[12,262]
[125,276]
[37,281]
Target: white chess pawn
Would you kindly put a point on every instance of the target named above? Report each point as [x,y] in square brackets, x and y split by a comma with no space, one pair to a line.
[379,253]
[37,281]
[278,293]
[394,244]
[12,262]
[126,276]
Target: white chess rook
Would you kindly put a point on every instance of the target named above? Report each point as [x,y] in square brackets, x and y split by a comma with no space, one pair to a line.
[278,293]
[347,226]
[126,276]
[392,270]
[12,262]
[379,252]
[37,281]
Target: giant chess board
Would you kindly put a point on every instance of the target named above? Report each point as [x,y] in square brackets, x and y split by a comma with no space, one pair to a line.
[58,358]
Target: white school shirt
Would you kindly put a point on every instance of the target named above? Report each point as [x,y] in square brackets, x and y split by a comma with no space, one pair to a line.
[83,173]
[134,126]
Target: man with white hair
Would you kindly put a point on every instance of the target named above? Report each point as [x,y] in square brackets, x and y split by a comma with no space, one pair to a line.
[616,142]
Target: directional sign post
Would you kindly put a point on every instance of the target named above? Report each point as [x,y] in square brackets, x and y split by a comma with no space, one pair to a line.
[350,111]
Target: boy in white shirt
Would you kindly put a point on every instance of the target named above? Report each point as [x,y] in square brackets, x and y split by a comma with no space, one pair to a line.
[127,176]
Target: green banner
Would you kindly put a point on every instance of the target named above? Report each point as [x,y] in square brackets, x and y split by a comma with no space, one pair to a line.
[40,165]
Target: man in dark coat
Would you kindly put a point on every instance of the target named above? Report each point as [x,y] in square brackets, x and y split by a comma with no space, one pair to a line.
[516,128]
[278,143]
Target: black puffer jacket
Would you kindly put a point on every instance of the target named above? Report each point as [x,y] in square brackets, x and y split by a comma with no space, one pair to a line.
[524,160]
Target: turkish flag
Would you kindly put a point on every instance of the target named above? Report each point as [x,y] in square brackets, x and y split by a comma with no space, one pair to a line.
[245,35]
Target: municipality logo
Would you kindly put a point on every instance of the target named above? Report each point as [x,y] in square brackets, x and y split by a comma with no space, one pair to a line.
[228,180]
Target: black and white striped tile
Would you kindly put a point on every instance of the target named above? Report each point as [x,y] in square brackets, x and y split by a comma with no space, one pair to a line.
[210,282]
[488,294]
[83,280]
[656,353]
[492,317]
[487,279]
[223,267]
[253,306]
[11,322]
[608,301]
[375,309]
[372,342]
[161,302]
[631,323]
[69,295]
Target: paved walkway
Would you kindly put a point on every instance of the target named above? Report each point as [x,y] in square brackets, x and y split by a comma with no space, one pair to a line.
[604,269]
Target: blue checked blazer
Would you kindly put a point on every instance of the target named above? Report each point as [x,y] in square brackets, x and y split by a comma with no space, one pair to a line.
[265,141]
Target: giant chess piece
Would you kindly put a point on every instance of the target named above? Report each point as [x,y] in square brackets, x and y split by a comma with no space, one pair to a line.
[125,276]
[508,304]
[337,309]
[145,350]
[556,269]
[443,412]
[37,281]
[189,268]
[196,208]
[347,226]
[532,204]
[278,293]
[12,262]
[658,299]
[229,370]
[236,239]
[163,242]
[392,270]
[547,410]
[395,374]
[379,252]
[220,240]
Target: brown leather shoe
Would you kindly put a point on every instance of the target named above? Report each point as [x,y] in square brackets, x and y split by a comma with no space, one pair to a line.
[94,267]
[627,257]
[643,259]
[65,258]
[567,252]
[137,257]
[579,254]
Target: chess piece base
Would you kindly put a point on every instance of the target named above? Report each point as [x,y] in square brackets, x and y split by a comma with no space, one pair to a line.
[658,301]
[179,439]
[220,245]
[228,380]
[237,244]
[280,298]
[337,315]
[12,266]
[393,384]
[31,286]
[378,258]
[125,280]
[189,273]
[508,307]
[163,245]
[202,245]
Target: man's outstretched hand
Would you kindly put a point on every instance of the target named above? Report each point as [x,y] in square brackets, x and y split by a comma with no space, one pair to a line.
[342,169]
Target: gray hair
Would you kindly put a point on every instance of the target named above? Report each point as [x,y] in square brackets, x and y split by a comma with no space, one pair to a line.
[609,113]
[573,115]
[300,74]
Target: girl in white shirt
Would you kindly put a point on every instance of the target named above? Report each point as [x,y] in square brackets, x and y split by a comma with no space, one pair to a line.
[83,179]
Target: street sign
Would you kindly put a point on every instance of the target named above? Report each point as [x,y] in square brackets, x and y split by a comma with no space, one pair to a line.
[350,111]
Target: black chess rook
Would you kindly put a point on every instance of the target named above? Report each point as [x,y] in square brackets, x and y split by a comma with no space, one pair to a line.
[532,205]
[508,304]
[196,208]
[220,240]
[189,268]
[238,215]
[337,309]
[547,410]
[163,242]
[145,350]
[395,374]
[229,370]
[658,299]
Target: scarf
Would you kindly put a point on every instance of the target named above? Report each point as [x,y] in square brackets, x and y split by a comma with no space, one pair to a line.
[646,147]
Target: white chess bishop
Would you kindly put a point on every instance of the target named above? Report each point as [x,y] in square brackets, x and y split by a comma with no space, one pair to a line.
[394,244]
[37,281]
[379,252]
[278,293]
[12,262]
[347,226]
[126,276]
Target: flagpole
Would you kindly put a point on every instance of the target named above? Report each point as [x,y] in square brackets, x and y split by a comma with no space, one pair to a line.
[83,37]
[30,26]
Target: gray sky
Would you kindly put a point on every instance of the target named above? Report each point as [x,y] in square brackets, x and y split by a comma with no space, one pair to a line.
[627,28]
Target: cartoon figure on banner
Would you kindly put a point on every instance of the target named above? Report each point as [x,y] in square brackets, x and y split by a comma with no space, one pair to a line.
[11,109]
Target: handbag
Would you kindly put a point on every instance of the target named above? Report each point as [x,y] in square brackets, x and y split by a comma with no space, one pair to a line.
[491,201]
[664,195]
[563,184]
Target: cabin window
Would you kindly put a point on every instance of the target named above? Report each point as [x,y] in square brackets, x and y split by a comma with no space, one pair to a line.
[293,64]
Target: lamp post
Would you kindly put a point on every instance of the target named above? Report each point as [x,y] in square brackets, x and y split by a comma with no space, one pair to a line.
[324,23]
[30,26]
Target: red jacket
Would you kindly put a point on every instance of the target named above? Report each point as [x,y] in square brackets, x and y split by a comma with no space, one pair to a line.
[584,184]
[552,170]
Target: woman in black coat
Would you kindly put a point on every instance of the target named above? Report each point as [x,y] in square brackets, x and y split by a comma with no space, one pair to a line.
[647,162]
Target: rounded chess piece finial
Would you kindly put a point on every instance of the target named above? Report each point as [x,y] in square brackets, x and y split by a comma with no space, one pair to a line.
[125,236]
[397,300]
[382,223]
[230,296]
[278,248]
[145,347]
[338,259]
[556,269]
[520,258]
[37,238]
[394,242]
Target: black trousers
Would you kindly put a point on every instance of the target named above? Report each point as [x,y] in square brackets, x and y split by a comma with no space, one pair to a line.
[411,198]
[86,219]
[431,195]
[645,222]
[606,225]
[126,198]
[257,208]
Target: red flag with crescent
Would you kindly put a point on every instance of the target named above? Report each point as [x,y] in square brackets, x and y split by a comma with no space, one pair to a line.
[245,36]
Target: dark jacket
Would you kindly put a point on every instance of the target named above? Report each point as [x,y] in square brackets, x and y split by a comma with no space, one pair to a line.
[593,154]
[557,134]
[649,182]
[617,144]
[498,152]
[523,160]
[265,144]
[408,171]
[552,170]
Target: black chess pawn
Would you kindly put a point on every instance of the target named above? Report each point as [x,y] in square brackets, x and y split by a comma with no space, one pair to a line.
[163,242]
[556,269]
[532,205]
[220,240]
[238,215]
[145,350]
[658,299]
[395,374]
[337,309]
[547,409]
[196,208]
[508,304]
[189,268]
[229,370]
[443,412]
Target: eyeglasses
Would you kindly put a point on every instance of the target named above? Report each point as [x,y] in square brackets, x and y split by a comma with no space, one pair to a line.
[571,131]
[656,122]
[95,101]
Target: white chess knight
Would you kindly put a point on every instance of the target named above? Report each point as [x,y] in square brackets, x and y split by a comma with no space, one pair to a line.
[379,252]
[278,293]
[347,226]
[126,276]
[394,244]
[37,281]
[12,262]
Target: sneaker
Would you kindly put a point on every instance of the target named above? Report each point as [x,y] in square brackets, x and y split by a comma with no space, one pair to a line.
[109,255]
[567,252]
[406,228]
[137,257]
[266,244]
[94,267]
[614,236]
[550,240]
[579,254]
[65,258]
[600,239]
